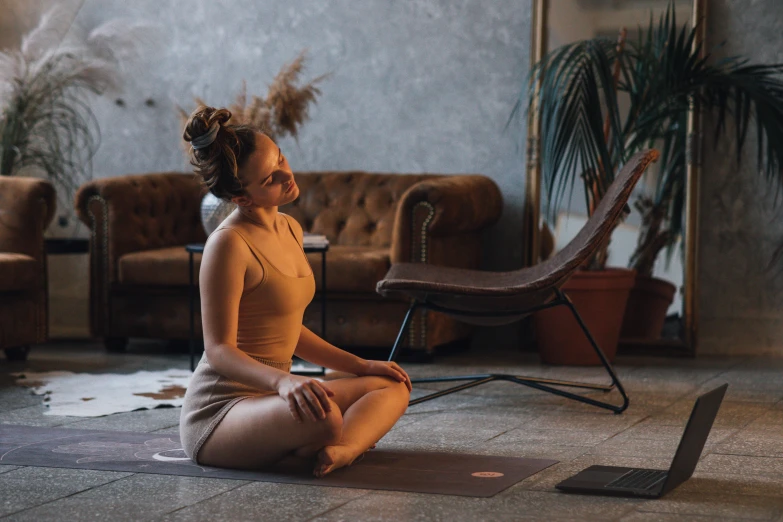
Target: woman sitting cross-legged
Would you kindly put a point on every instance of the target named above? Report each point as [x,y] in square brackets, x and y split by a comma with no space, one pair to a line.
[243,408]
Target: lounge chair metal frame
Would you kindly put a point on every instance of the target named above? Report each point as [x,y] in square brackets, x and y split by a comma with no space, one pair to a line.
[533,382]
[484,297]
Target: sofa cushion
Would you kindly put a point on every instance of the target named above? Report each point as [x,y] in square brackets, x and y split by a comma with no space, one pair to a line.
[351,268]
[157,267]
[19,272]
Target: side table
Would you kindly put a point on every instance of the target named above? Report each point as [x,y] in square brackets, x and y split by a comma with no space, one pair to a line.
[198,248]
[65,246]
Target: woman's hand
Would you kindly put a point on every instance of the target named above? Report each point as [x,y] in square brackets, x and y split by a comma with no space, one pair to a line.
[306,397]
[387,369]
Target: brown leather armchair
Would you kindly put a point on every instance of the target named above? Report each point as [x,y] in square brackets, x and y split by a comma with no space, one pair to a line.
[140,224]
[27,206]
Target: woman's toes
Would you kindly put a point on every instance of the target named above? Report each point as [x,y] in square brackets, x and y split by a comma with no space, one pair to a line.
[331,458]
[324,462]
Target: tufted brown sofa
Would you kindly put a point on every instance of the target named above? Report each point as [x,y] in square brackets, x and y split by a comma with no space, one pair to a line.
[27,206]
[140,224]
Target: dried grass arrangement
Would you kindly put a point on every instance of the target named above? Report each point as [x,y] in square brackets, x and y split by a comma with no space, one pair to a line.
[46,121]
[281,112]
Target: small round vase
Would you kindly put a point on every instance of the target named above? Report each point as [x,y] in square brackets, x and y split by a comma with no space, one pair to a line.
[213,211]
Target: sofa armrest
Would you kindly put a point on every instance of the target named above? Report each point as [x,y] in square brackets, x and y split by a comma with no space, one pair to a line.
[141,212]
[27,207]
[443,207]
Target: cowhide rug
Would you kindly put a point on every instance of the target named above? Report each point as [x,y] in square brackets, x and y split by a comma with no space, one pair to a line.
[96,395]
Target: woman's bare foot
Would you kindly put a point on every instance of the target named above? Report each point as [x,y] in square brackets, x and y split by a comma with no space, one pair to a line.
[335,457]
[310,451]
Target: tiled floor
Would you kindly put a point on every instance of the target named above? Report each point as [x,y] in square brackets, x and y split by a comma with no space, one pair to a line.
[740,475]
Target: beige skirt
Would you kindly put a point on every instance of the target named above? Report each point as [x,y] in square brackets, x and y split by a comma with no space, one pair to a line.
[207,400]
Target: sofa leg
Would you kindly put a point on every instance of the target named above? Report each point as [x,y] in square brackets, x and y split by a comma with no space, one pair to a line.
[115,344]
[17,353]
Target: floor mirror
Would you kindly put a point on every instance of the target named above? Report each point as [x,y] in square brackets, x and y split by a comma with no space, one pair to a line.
[561,22]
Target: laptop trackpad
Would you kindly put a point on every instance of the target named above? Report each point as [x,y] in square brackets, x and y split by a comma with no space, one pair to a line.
[599,478]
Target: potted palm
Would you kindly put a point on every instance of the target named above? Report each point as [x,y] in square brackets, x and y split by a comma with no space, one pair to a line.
[585,135]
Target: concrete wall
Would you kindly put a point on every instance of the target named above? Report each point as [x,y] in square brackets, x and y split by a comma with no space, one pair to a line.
[416,86]
[741,301]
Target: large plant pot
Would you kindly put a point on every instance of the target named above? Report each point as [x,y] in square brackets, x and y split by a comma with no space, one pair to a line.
[600,297]
[645,312]
[213,211]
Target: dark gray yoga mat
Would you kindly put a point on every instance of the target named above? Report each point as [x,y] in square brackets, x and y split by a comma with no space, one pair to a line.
[415,471]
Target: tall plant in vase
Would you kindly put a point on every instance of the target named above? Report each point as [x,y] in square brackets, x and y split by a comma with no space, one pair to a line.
[280,113]
[586,136]
[46,124]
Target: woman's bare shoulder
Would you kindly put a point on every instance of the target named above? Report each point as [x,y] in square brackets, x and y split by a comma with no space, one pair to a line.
[225,243]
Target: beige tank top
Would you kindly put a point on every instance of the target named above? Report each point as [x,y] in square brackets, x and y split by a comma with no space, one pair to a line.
[270,315]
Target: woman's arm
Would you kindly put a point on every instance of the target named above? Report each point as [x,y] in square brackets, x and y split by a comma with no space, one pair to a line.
[221,282]
[313,349]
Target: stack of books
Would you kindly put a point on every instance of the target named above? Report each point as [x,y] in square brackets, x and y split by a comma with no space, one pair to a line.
[315,240]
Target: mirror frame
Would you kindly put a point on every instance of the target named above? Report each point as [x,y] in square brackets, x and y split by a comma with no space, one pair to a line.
[687,343]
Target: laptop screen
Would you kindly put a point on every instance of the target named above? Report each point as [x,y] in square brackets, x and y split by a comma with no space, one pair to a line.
[695,436]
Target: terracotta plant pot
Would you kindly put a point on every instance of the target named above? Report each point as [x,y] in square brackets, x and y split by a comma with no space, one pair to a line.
[600,297]
[648,303]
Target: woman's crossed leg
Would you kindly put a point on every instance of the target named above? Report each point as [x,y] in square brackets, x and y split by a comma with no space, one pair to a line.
[260,431]
[370,406]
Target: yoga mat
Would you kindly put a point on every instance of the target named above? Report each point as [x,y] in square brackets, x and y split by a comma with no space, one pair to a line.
[413,471]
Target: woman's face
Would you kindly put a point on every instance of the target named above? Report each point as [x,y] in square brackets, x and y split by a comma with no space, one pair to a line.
[267,177]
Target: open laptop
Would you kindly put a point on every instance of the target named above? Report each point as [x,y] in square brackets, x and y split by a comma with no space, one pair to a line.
[653,483]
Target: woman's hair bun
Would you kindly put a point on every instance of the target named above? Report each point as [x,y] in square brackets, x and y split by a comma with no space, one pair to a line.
[221,156]
[202,119]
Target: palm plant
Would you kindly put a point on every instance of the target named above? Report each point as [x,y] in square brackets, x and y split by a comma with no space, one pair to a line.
[585,134]
[45,119]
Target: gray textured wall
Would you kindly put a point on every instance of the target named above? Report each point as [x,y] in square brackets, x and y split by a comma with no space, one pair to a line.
[741,302]
[417,86]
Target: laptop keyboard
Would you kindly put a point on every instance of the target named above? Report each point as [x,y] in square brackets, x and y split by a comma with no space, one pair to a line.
[638,479]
